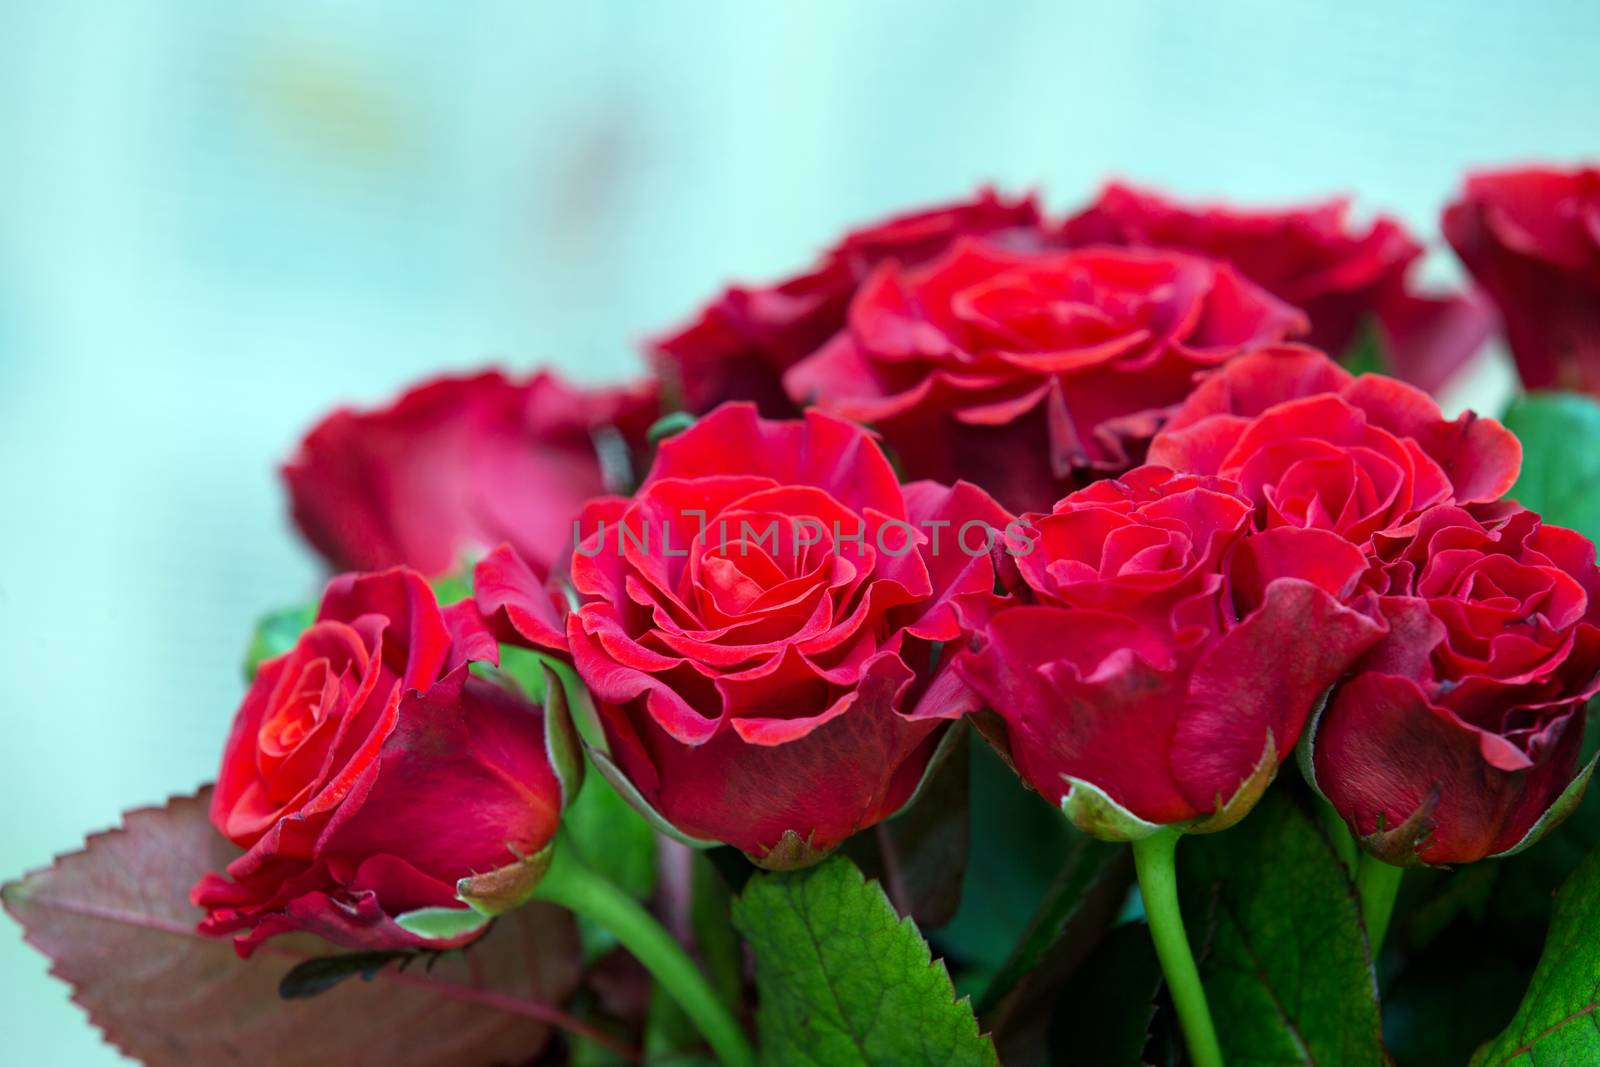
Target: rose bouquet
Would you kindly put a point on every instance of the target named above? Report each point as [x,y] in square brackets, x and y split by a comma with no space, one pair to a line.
[1016,638]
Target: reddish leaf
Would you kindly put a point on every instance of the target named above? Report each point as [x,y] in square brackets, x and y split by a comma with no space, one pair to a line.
[116,922]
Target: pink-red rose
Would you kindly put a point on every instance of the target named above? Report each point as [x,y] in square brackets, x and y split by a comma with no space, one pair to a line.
[1531,238]
[1343,277]
[1029,372]
[369,772]
[460,464]
[748,336]
[1314,447]
[1166,654]
[1462,727]
[764,624]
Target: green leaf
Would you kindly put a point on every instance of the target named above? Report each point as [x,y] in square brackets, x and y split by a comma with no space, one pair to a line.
[1288,973]
[1012,864]
[457,585]
[1104,1014]
[1560,434]
[116,922]
[615,840]
[920,854]
[275,634]
[1020,1004]
[1559,1020]
[612,838]
[316,976]
[527,668]
[441,924]
[717,942]
[1442,1003]
[1367,354]
[843,981]
[1086,864]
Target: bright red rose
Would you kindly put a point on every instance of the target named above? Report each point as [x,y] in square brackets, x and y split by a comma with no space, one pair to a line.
[1459,735]
[1315,447]
[1342,276]
[1168,653]
[457,465]
[762,627]
[1531,238]
[742,343]
[370,775]
[1022,371]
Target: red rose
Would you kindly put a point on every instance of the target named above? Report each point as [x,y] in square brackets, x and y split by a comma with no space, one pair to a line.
[458,465]
[761,623]
[369,775]
[1169,654]
[1021,370]
[1461,730]
[1531,238]
[1312,257]
[1315,447]
[742,343]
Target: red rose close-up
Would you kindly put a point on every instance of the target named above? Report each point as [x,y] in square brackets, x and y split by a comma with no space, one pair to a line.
[1166,654]
[743,341]
[1030,372]
[762,629]
[457,465]
[1460,731]
[1531,238]
[368,772]
[1316,447]
[1344,276]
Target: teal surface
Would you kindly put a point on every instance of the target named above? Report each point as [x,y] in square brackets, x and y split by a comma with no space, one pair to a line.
[216,220]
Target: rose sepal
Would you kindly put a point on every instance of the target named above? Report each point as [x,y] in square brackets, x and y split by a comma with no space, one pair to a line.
[1563,805]
[1092,810]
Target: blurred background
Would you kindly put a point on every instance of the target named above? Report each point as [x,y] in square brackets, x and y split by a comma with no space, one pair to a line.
[218,220]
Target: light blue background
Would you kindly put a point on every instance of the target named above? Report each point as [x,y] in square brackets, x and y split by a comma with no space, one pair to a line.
[216,220]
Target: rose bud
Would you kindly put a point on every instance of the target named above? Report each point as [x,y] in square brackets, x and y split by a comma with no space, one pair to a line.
[1030,373]
[1458,736]
[386,796]
[744,340]
[1531,239]
[1166,654]
[1344,277]
[763,627]
[458,465]
[1314,447]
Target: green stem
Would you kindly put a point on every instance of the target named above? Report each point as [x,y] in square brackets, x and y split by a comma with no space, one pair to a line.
[1377,884]
[578,888]
[1158,884]
[1344,846]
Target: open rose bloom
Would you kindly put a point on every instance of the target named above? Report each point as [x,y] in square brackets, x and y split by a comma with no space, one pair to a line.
[1346,278]
[1458,736]
[994,527]
[743,342]
[1165,655]
[458,465]
[348,768]
[1031,372]
[761,626]
[1531,238]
